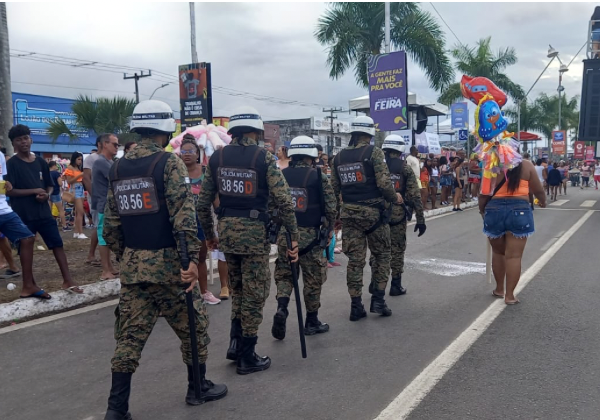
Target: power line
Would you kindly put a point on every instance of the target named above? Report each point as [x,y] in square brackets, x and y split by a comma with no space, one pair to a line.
[575,56]
[448,26]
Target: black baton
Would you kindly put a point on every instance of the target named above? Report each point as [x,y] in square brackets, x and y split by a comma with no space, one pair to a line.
[294,267]
[189,300]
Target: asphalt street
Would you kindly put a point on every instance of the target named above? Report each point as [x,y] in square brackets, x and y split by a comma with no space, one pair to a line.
[537,360]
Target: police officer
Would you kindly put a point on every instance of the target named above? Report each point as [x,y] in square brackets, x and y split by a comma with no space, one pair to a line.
[360,174]
[148,188]
[405,183]
[245,176]
[315,205]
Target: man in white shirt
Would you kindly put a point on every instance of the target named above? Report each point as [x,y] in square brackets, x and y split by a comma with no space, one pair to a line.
[88,164]
[413,162]
[15,230]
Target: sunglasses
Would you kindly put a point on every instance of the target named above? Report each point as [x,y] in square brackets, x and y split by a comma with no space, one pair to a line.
[188,152]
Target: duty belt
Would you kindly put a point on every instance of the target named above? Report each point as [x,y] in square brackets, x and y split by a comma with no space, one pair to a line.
[250,214]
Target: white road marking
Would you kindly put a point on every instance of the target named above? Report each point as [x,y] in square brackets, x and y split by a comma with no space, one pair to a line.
[447,268]
[559,203]
[58,316]
[588,203]
[401,407]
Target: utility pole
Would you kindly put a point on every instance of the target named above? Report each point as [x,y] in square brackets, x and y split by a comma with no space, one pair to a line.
[331,117]
[6,115]
[137,77]
[193,31]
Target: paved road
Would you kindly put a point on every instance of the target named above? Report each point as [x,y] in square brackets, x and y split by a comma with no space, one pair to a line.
[537,359]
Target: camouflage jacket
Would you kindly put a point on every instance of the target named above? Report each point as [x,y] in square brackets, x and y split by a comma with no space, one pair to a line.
[411,196]
[162,266]
[245,236]
[382,178]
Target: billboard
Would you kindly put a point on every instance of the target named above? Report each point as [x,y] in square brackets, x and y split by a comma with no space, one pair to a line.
[558,147]
[428,143]
[579,150]
[37,112]
[195,94]
[320,123]
[589,152]
[459,115]
[388,91]
[559,135]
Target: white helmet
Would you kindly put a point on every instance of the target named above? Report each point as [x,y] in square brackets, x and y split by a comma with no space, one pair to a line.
[153,115]
[394,142]
[363,125]
[303,145]
[246,117]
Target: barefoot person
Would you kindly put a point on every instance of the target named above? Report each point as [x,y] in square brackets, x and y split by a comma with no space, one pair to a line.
[508,222]
[32,185]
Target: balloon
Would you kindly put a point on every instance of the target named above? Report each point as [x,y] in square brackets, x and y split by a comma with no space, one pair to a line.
[216,141]
[490,120]
[475,88]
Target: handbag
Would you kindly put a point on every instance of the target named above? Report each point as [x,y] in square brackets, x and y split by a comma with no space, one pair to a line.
[69,197]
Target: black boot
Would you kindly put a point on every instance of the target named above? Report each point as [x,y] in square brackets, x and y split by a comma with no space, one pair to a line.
[378,305]
[371,287]
[235,343]
[278,329]
[249,361]
[357,310]
[396,289]
[118,401]
[313,325]
[210,391]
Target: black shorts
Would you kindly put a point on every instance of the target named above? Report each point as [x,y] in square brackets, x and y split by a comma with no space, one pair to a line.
[48,230]
[457,185]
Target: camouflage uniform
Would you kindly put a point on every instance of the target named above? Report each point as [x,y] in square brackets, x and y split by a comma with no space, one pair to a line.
[151,280]
[412,198]
[244,242]
[313,263]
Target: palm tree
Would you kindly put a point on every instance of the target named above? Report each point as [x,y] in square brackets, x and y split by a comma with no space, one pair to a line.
[531,117]
[353,31]
[549,109]
[6,116]
[103,115]
[481,61]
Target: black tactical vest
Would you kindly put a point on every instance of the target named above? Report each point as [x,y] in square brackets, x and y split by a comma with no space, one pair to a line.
[240,174]
[305,188]
[396,167]
[356,175]
[139,189]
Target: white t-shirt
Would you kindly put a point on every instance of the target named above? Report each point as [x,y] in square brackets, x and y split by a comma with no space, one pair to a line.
[597,170]
[413,162]
[4,207]
[540,174]
[434,172]
[88,162]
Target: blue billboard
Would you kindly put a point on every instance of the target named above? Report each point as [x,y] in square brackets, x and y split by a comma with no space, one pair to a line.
[37,112]
[459,114]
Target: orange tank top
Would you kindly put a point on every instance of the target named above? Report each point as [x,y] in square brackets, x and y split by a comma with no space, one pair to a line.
[523,190]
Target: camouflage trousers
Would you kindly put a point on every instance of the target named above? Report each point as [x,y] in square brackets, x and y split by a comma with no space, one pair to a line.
[398,240]
[354,245]
[314,274]
[250,280]
[137,312]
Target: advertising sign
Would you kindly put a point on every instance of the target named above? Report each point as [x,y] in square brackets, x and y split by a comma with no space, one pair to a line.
[428,143]
[319,123]
[37,112]
[195,94]
[388,91]
[558,147]
[459,115]
[579,150]
[589,152]
[559,135]
[543,152]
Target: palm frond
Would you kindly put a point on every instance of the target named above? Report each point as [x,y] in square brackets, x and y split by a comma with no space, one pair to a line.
[59,128]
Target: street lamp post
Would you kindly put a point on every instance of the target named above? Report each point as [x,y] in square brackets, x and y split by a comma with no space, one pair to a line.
[561,70]
[552,53]
[160,87]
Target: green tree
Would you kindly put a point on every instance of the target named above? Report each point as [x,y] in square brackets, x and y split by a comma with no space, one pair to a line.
[102,115]
[353,31]
[531,117]
[481,61]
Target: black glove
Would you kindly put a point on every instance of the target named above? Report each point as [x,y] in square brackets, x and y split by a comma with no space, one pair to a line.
[421,228]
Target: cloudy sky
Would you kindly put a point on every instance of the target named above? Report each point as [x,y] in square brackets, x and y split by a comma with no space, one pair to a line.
[263,48]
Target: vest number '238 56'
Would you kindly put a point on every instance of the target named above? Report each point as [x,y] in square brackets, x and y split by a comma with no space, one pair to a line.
[237,182]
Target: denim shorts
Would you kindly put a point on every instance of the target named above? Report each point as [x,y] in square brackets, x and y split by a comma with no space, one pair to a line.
[77,189]
[433,182]
[13,228]
[508,215]
[446,181]
[55,198]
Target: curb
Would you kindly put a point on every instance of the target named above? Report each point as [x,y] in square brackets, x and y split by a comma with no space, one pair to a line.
[62,300]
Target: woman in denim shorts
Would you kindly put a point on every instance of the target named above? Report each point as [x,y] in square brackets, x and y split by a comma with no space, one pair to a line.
[74,177]
[508,222]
